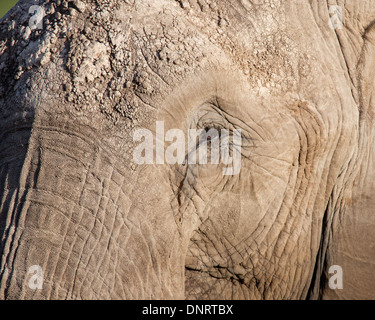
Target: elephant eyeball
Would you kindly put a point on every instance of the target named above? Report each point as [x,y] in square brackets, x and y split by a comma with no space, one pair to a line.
[212,133]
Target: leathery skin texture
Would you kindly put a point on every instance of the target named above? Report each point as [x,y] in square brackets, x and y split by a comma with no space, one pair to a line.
[100,226]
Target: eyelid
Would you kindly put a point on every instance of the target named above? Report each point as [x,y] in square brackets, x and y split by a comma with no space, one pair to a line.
[208,117]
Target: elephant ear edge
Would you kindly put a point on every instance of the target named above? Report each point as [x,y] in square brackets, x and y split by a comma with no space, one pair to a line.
[350,238]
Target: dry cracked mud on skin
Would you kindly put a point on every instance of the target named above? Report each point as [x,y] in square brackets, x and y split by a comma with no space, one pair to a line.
[73,201]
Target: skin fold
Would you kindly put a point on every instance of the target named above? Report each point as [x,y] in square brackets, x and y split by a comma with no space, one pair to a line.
[100,226]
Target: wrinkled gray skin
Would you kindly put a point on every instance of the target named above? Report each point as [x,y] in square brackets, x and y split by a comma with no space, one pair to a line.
[73,202]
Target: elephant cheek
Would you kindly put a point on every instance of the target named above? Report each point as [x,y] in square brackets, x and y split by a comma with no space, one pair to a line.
[231,212]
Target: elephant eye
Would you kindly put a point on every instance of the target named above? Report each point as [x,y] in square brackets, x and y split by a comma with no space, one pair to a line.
[211,127]
[212,132]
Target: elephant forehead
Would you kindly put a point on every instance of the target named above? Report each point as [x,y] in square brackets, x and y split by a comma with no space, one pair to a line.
[152,49]
[122,63]
[188,40]
[167,43]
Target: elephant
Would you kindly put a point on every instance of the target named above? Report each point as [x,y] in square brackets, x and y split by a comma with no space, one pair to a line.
[81,219]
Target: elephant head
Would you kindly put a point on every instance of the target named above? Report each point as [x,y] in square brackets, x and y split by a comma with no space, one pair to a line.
[296,78]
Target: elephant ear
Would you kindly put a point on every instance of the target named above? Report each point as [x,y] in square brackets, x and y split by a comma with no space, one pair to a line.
[347,251]
[357,42]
